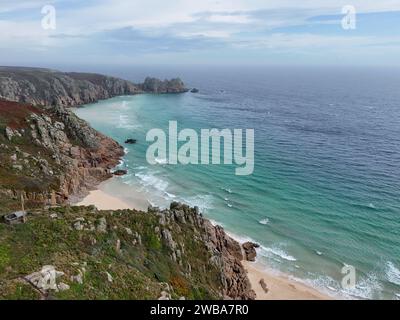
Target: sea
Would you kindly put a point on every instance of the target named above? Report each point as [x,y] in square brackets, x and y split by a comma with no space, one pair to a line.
[325,191]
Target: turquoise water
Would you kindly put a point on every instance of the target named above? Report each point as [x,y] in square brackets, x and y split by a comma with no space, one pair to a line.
[325,189]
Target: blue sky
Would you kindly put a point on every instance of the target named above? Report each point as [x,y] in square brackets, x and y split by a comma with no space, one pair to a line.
[244,32]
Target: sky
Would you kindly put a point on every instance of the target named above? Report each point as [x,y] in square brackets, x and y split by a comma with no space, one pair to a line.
[199,32]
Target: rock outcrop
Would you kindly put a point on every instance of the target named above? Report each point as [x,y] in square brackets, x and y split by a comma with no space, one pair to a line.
[52,149]
[46,279]
[250,250]
[130,141]
[167,86]
[226,254]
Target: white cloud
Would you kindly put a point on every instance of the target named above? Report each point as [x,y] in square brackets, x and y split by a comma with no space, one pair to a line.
[147,14]
[224,18]
[231,22]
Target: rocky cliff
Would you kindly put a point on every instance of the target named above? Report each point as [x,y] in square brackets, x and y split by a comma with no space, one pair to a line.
[45,150]
[124,254]
[47,87]
[167,86]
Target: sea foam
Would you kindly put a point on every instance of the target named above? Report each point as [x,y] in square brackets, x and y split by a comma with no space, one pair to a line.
[152,181]
[392,273]
[276,251]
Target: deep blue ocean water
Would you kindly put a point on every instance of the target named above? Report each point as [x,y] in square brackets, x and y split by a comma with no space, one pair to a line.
[325,191]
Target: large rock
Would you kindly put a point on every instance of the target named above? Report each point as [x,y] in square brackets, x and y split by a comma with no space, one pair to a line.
[120,172]
[250,250]
[46,279]
[167,86]
[130,141]
[102,225]
[9,133]
[234,278]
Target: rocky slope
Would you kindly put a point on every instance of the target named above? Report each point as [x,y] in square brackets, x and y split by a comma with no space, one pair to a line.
[125,254]
[54,88]
[51,150]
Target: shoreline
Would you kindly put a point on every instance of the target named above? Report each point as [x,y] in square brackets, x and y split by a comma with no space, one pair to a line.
[104,199]
[280,287]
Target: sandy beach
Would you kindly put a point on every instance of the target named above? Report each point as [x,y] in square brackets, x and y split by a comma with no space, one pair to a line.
[103,201]
[279,287]
[104,197]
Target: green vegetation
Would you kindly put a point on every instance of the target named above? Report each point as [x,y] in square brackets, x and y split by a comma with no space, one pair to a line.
[140,267]
[20,158]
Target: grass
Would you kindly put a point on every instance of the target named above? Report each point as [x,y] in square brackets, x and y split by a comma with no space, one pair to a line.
[30,178]
[138,270]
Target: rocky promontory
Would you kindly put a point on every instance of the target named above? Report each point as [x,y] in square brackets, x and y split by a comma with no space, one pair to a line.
[47,87]
[155,85]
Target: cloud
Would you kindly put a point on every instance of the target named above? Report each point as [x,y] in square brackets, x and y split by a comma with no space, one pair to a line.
[106,28]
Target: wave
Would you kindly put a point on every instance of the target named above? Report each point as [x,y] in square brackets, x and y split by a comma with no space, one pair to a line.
[276,251]
[226,190]
[203,202]
[216,223]
[392,273]
[263,250]
[323,283]
[239,238]
[124,122]
[152,181]
[140,168]
[365,288]
[169,196]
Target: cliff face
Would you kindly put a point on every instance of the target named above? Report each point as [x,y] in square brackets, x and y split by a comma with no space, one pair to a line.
[124,254]
[44,150]
[49,88]
[54,88]
[167,86]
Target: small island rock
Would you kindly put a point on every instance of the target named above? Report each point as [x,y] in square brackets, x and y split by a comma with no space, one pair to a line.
[120,172]
[130,141]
